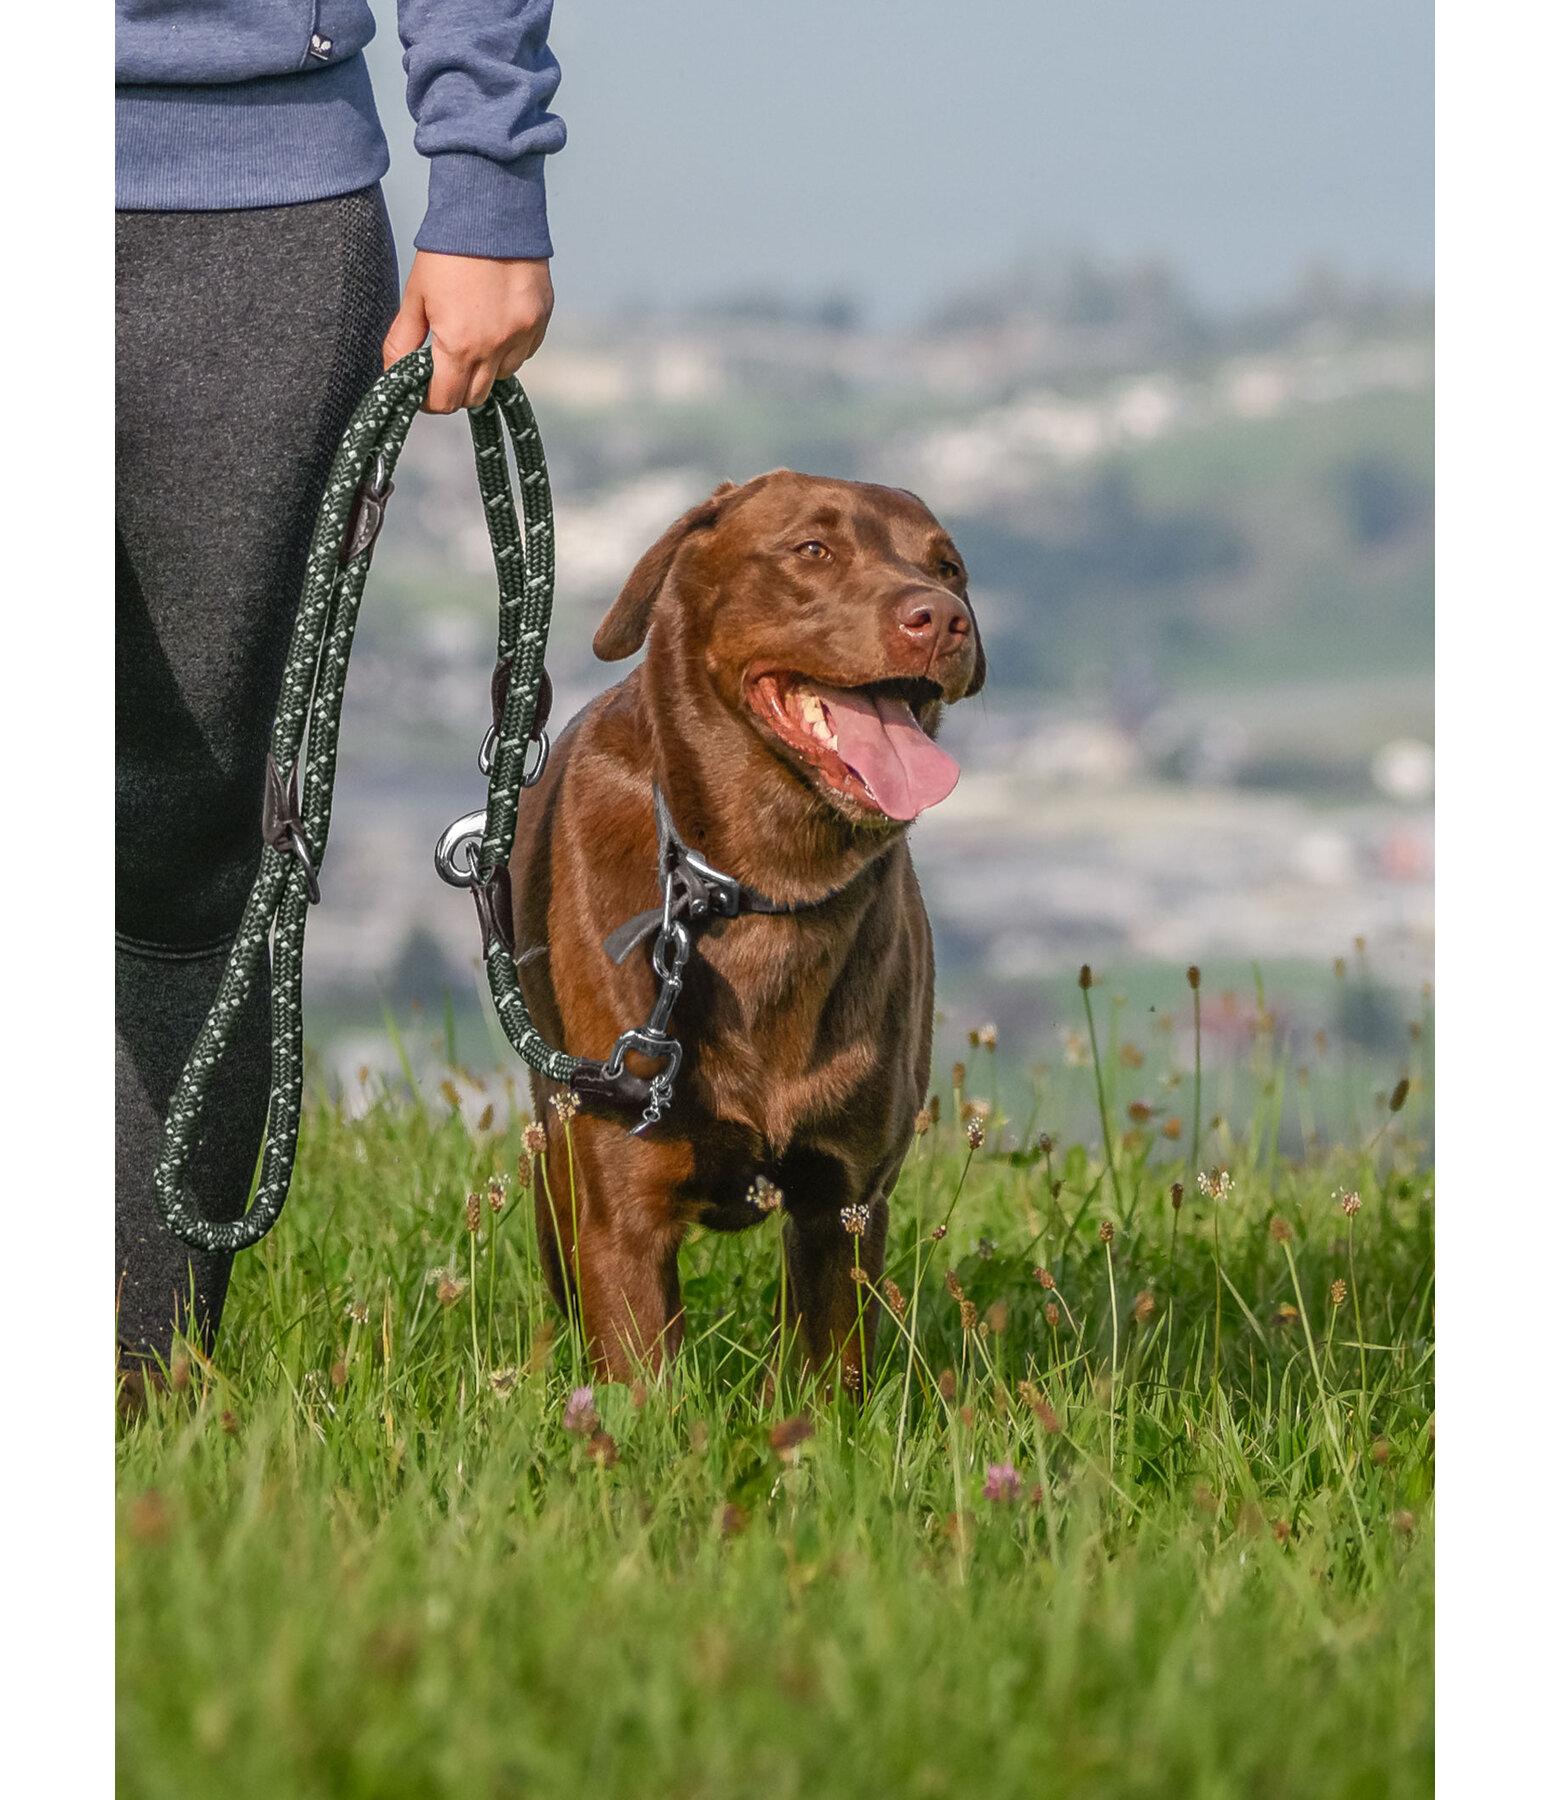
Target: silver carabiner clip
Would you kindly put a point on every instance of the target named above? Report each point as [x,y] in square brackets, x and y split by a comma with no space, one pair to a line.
[465,834]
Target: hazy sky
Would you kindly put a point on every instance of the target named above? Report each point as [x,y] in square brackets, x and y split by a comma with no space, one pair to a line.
[897,149]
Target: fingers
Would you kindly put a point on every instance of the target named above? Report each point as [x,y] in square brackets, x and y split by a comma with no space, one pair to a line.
[407,332]
[458,379]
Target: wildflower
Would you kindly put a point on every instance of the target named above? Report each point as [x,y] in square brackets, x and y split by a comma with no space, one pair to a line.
[789,1435]
[1084,979]
[497,1192]
[535,1140]
[1400,1094]
[947,1384]
[1176,1195]
[1075,1050]
[1002,1482]
[1281,1530]
[1350,1204]
[1046,1143]
[985,1249]
[1140,1111]
[503,1382]
[1133,1141]
[989,1037]
[566,1104]
[960,1073]
[935,1108]
[1054,1189]
[452,1097]
[968,1315]
[1132,1058]
[923,1121]
[1337,1291]
[858,1275]
[1046,1278]
[602,1449]
[1106,1232]
[1285,1314]
[1281,1230]
[1215,1184]
[997,1317]
[1192,976]
[1173,1129]
[854,1218]
[974,1131]
[1404,1523]
[1052,1313]
[1145,1306]
[894,1298]
[357,1311]
[471,1207]
[229,1420]
[1381,1451]
[339,1372]
[1040,1407]
[449,1290]
[524,1170]
[955,1286]
[765,1195]
[580,1413]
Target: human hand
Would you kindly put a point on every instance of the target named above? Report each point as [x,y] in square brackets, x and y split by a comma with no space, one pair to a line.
[485,315]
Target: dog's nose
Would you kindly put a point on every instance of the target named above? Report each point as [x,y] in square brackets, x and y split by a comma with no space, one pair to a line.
[931,616]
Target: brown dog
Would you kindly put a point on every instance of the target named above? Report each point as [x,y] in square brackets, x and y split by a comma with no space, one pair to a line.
[804,635]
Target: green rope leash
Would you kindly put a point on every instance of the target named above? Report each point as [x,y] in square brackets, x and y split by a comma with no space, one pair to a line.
[304,750]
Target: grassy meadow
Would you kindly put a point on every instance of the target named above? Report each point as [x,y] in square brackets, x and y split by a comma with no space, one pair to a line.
[1138,1502]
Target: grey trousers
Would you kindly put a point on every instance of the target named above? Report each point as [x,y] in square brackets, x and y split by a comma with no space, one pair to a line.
[244,342]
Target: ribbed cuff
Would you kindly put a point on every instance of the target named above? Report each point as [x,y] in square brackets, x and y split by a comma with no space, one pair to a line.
[479,207]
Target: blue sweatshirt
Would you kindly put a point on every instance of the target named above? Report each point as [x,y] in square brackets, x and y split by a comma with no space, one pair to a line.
[240,103]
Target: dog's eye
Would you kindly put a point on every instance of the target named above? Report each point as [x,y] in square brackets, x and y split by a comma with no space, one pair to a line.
[813,550]
[948,570]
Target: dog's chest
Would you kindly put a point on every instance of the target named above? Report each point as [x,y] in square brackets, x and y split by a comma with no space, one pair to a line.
[794,1027]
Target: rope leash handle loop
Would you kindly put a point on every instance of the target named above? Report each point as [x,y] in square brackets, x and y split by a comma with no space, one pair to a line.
[305,741]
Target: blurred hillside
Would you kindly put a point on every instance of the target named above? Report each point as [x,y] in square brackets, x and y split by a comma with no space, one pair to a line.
[1200,548]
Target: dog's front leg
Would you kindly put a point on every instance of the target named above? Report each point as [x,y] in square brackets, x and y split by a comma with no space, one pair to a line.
[609,1241]
[837,1312]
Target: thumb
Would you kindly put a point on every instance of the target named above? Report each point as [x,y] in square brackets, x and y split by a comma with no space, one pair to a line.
[408,330]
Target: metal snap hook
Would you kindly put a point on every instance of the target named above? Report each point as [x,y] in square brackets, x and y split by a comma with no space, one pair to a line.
[465,834]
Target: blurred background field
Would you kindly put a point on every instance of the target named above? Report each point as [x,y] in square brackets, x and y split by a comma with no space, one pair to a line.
[1201,552]
[1149,327]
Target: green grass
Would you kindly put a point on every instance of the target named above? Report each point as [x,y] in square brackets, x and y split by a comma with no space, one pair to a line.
[361,1554]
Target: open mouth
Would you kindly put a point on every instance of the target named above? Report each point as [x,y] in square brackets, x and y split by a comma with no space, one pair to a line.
[866,744]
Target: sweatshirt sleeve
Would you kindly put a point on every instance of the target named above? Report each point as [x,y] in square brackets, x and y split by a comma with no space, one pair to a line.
[481,76]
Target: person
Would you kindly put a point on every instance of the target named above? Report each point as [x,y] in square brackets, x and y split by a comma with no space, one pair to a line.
[257,299]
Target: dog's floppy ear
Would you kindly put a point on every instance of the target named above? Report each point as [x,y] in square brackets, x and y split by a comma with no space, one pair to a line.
[624,630]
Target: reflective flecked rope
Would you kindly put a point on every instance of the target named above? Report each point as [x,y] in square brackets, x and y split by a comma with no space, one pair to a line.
[303,754]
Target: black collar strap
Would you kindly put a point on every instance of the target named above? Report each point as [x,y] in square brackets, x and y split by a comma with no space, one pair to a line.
[692,891]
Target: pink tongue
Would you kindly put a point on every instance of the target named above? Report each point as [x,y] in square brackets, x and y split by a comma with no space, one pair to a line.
[881,741]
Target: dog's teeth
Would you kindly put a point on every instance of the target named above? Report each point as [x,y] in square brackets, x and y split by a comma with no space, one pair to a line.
[812,708]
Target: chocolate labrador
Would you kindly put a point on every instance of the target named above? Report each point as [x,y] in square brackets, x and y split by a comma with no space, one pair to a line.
[802,637]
